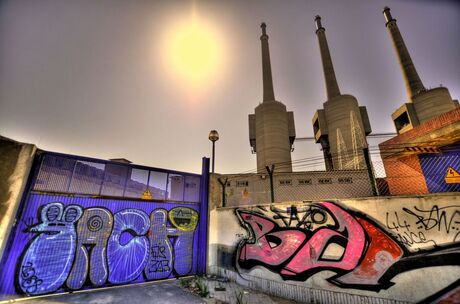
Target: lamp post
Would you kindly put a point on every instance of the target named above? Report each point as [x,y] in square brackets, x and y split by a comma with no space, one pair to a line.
[213,136]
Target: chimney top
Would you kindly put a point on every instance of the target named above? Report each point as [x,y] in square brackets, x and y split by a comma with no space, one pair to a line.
[318,22]
[263,26]
[387,14]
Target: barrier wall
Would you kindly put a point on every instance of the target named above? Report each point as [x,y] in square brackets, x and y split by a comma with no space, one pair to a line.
[377,250]
[15,162]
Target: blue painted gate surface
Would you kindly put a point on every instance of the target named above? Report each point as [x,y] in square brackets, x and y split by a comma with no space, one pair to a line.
[436,166]
[87,223]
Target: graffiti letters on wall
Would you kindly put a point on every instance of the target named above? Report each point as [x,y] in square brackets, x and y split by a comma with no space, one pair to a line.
[73,246]
[297,242]
[414,226]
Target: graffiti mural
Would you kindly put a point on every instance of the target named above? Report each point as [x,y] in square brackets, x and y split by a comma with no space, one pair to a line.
[297,242]
[73,246]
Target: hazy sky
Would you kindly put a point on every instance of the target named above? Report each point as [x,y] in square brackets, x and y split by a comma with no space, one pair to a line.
[96,78]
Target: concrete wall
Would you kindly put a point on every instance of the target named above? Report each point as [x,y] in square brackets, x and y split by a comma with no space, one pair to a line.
[15,163]
[370,250]
[253,189]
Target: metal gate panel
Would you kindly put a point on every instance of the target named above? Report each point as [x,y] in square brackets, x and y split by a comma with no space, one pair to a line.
[70,235]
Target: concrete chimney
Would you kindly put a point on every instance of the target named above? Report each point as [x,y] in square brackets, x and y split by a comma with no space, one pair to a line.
[413,82]
[271,127]
[342,125]
[269,94]
[423,104]
[332,88]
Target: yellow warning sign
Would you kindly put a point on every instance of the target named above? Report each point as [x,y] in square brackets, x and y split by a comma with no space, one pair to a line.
[245,193]
[452,176]
[147,194]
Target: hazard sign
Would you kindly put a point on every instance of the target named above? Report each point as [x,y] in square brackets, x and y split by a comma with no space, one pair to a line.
[452,176]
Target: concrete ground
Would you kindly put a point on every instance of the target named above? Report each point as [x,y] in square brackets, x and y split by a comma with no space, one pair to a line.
[232,289]
[163,292]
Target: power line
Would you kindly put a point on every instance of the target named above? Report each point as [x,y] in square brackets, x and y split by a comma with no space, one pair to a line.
[377,135]
[319,159]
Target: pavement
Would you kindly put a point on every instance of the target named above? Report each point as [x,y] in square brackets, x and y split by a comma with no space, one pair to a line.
[233,290]
[164,292]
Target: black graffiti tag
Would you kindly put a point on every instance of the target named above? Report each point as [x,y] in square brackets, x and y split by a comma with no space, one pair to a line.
[404,234]
[436,218]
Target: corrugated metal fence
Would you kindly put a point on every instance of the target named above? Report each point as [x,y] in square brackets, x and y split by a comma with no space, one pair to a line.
[86,223]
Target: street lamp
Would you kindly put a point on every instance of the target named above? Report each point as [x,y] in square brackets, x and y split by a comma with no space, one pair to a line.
[213,136]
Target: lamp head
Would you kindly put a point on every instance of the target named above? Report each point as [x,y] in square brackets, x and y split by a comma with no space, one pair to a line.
[213,136]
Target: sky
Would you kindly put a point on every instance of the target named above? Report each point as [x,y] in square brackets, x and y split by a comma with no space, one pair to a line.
[113,79]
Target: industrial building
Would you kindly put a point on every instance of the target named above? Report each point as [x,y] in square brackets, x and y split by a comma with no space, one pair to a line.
[423,104]
[342,126]
[423,157]
[271,127]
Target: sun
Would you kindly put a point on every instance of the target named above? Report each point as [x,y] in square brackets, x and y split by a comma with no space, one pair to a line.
[194,52]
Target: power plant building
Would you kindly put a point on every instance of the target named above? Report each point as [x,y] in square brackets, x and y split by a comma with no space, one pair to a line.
[423,157]
[271,127]
[423,104]
[342,126]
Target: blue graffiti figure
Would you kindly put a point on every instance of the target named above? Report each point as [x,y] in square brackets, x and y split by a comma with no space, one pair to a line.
[159,265]
[128,247]
[48,260]
[93,231]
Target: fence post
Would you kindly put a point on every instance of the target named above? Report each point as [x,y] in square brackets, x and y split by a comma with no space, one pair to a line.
[369,171]
[203,218]
[223,184]
[270,174]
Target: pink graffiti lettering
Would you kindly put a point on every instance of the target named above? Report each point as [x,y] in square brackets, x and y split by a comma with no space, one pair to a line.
[271,248]
[369,259]
[309,255]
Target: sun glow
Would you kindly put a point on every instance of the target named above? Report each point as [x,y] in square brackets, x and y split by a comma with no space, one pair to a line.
[193,52]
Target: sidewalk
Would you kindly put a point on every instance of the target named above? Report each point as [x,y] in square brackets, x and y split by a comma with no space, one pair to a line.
[164,292]
[233,290]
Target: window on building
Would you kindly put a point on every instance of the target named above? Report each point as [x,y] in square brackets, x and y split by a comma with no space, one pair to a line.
[285,182]
[323,181]
[304,181]
[242,183]
[345,180]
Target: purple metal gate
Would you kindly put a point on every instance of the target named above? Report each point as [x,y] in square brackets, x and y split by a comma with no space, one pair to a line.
[86,223]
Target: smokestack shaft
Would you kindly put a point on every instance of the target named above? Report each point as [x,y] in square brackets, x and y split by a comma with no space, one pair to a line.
[332,88]
[412,80]
[269,93]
